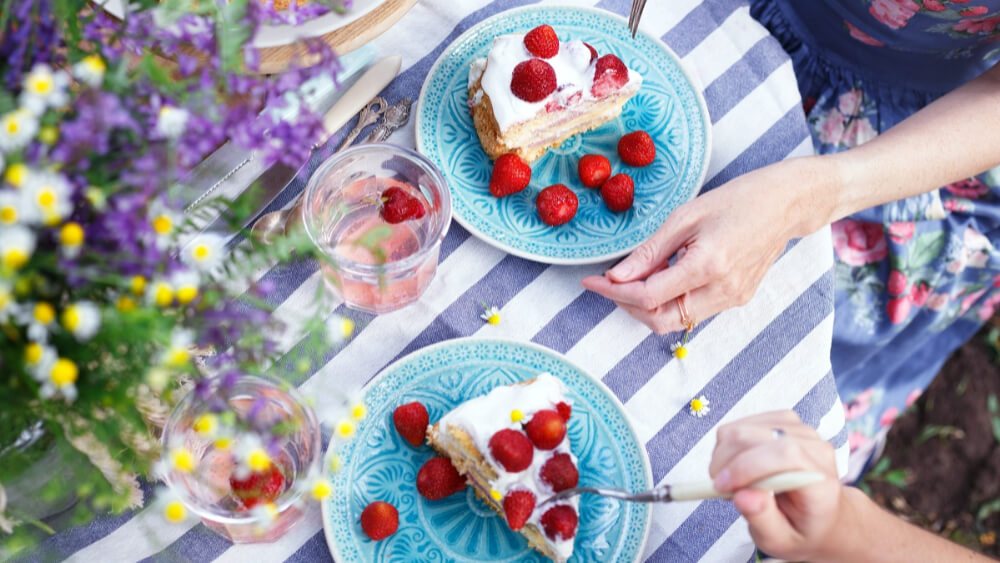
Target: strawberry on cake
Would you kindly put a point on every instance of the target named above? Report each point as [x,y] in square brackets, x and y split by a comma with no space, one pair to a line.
[532,92]
[511,445]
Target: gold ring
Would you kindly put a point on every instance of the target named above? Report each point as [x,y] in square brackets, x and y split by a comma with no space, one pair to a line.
[686,319]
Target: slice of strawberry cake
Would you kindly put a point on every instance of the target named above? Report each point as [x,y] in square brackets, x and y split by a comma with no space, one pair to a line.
[511,445]
[532,92]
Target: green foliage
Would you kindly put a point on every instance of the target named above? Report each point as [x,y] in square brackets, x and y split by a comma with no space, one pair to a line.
[994,409]
[942,432]
[898,478]
[986,510]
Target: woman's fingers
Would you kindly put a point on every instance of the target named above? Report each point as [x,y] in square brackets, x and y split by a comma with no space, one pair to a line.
[768,523]
[652,254]
[734,438]
[776,456]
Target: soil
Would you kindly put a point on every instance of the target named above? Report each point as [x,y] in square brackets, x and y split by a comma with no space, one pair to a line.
[941,466]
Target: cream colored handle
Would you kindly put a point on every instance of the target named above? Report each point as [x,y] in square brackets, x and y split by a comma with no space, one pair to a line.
[778,483]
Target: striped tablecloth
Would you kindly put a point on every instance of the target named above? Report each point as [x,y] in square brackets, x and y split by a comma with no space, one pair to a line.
[772,353]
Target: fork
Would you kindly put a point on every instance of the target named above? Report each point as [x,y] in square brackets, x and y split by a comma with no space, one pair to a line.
[694,491]
[634,15]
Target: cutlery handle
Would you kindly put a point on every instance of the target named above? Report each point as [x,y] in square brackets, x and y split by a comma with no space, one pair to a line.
[778,483]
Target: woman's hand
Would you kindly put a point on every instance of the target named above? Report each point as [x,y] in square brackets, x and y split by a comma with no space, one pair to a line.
[725,240]
[799,525]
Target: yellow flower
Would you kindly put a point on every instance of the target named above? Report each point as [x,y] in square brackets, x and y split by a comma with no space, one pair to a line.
[175,512]
[138,285]
[64,373]
[345,429]
[321,489]
[90,70]
[33,353]
[516,415]
[16,174]
[186,283]
[258,460]
[71,234]
[181,459]
[162,224]
[699,406]
[359,411]
[491,315]
[206,424]
[162,294]
[223,443]
[125,304]
[48,134]
[177,357]
[44,313]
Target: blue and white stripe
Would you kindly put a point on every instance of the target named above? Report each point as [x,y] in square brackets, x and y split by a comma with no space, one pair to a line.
[771,353]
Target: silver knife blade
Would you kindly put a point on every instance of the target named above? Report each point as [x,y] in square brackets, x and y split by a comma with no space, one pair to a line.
[275,178]
[227,166]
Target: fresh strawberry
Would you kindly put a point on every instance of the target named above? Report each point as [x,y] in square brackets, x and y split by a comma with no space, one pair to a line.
[564,410]
[560,472]
[438,478]
[411,422]
[533,80]
[517,507]
[260,487]
[593,51]
[556,204]
[594,169]
[379,520]
[510,175]
[546,429]
[399,206]
[542,42]
[609,76]
[559,522]
[512,450]
[618,192]
[637,149]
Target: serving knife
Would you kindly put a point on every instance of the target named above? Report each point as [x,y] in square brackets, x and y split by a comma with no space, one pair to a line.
[268,182]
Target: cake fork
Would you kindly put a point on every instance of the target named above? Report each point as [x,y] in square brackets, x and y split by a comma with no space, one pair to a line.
[634,15]
[694,491]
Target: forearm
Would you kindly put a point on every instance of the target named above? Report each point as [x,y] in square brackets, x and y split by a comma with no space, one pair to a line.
[955,137]
[865,532]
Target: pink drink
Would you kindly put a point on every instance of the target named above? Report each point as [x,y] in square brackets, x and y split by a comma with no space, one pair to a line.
[376,266]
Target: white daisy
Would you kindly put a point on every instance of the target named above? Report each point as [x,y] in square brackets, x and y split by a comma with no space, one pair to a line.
[338,329]
[16,129]
[44,88]
[251,456]
[491,315]
[90,70]
[164,221]
[160,293]
[205,252]
[39,359]
[48,194]
[265,515]
[185,284]
[71,237]
[178,353]
[171,121]
[61,380]
[40,319]
[170,505]
[13,209]
[17,173]
[315,485]
[82,319]
[17,243]
[699,406]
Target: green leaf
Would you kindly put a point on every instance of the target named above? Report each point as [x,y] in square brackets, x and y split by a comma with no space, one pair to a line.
[897,478]
[926,248]
[880,467]
[987,509]
[994,408]
[232,33]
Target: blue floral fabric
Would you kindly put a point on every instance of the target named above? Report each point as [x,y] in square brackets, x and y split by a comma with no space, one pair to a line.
[917,277]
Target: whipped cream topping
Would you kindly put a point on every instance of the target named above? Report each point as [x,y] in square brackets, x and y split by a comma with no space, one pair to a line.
[484,416]
[574,74]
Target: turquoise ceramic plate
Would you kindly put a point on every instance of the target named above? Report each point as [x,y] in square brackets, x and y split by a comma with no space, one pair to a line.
[669,106]
[379,465]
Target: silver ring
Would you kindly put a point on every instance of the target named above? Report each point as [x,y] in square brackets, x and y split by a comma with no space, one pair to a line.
[777,433]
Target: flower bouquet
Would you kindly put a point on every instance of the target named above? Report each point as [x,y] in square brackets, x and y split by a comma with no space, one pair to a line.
[106,319]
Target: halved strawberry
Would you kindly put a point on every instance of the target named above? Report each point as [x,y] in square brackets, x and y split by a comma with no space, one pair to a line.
[517,507]
[609,76]
[438,479]
[559,522]
[594,169]
[637,149]
[542,42]
[260,487]
[546,429]
[533,80]
[379,520]
[411,422]
[556,204]
[510,175]
[618,192]
[560,472]
[593,51]
[398,206]
[512,450]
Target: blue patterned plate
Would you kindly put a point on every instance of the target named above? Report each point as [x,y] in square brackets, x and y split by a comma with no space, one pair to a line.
[668,106]
[379,465]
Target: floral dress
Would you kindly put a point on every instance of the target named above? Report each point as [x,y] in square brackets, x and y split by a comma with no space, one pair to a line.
[915,278]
